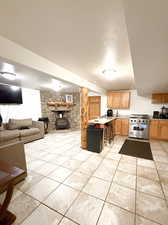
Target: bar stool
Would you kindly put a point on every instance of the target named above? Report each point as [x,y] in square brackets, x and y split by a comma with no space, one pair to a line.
[108,133]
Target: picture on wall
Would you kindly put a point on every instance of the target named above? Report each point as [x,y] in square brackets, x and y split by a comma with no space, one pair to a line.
[69,98]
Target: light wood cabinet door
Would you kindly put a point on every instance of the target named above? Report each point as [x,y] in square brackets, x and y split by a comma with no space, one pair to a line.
[117,127]
[163,130]
[125,100]
[109,100]
[159,98]
[94,107]
[118,100]
[154,129]
[124,126]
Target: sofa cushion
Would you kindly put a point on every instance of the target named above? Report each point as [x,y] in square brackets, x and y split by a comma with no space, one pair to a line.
[29,132]
[7,135]
[17,124]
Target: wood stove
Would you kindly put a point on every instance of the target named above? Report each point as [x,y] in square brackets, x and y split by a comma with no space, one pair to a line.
[61,121]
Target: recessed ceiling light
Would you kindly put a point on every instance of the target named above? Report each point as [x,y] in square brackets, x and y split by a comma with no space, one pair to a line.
[55,85]
[8,71]
[9,76]
[14,88]
[109,73]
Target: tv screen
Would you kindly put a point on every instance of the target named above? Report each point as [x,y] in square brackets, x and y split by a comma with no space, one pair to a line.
[10,94]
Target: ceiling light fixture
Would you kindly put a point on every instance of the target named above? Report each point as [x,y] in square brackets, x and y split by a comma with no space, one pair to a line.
[14,88]
[9,76]
[55,85]
[8,71]
[109,73]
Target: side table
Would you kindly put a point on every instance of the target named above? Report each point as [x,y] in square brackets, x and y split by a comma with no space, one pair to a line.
[8,174]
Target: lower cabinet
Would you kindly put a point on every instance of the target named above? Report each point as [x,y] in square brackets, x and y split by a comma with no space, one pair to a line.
[121,126]
[159,129]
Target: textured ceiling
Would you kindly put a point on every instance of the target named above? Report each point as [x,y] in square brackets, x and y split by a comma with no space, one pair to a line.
[147,23]
[84,37]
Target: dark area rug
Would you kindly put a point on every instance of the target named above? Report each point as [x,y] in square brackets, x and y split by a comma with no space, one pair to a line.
[140,149]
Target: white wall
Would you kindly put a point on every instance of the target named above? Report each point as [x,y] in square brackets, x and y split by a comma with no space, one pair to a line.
[141,105]
[31,107]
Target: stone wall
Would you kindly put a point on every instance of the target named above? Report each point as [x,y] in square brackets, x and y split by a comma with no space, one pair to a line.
[74,114]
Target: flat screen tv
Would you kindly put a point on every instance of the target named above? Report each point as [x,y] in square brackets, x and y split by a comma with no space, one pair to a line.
[10,94]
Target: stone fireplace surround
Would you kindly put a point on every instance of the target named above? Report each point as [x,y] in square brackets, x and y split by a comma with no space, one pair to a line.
[73,116]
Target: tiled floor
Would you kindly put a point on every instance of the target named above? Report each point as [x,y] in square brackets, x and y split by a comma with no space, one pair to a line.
[68,186]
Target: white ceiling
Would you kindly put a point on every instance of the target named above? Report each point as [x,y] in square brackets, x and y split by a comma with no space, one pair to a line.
[147,22]
[30,78]
[84,37]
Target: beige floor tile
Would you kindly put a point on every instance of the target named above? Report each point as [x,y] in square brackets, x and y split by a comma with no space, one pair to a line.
[152,208]
[43,215]
[31,179]
[127,168]
[161,158]
[87,168]
[109,163]
[163,176]
[60,160]
[165,189]
[46,168]
[149,187]
[142,221]
[97,187]
[162,166]
[112,155]
[34,165]
[77,180]
[23,206]
[104,172]
[85,210]
[147,173]
[72,164]
[125,179]
[122,196]
[128,159]
[82,156]
[113,215]
[62,198]
[16,193]
[146,163]
[60,174]
[41,190]
[66,221]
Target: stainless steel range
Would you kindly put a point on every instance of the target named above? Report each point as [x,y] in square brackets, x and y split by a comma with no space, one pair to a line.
[139,126]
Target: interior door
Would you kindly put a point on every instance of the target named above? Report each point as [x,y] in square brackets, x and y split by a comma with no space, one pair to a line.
[94,107]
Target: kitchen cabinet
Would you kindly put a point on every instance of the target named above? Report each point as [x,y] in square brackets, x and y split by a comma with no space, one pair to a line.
[124,126]
[125,100]
[118,100]
[154,129]
[159,98]
[117,127]
[159,130]
[121,126]
[163,130]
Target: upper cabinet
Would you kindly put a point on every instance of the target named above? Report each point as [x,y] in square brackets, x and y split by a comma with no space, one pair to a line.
[118,100]
[159,98]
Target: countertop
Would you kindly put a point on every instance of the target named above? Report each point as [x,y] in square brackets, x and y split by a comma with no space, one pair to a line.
[102,120]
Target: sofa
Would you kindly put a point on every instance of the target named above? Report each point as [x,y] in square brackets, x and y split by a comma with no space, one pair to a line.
[24,130]
[14,154]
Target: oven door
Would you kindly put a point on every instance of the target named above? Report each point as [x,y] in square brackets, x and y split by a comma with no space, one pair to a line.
[139,131]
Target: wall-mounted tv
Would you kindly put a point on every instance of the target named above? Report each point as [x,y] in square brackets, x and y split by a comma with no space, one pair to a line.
[10,94]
